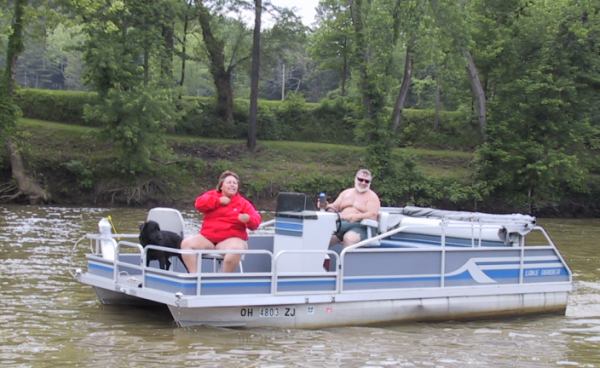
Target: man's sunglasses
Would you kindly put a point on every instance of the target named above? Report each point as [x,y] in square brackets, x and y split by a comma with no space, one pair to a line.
[366,181]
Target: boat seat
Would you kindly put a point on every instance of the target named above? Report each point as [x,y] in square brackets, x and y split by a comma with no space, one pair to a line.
[372,227]
[385,221]
[170,219]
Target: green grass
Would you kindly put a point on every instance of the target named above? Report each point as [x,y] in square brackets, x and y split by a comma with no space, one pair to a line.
[274,160]
[67,156]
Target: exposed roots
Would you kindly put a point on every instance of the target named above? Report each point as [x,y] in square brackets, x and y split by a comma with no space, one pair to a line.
[140,193]
[9,192]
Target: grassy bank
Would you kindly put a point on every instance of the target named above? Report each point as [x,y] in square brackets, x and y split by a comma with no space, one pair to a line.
[77,167]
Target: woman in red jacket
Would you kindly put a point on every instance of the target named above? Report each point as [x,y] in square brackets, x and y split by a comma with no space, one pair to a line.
[227,215]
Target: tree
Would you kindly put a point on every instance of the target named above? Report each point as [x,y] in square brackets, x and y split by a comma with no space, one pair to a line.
[404,86]
[452,17]
[124,55]
[367,20]
[187,14]
[331,42]
[407,18]
[9,112]
[221,73]
[542,111]
[63,49]
[251,143]
[284,58]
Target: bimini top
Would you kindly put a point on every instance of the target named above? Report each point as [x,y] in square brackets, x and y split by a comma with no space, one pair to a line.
[512,223]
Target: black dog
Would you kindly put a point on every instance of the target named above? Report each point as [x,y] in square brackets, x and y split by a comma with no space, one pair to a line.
[151,234]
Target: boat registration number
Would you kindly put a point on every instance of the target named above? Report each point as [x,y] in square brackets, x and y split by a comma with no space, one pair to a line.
[268,312]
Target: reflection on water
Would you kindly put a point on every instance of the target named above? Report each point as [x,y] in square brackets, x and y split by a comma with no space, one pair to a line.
[50,320]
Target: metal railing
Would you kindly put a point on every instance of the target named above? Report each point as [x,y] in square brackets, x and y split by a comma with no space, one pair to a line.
[275,274]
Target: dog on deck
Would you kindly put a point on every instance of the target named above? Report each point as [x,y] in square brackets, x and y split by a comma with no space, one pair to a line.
[151,234]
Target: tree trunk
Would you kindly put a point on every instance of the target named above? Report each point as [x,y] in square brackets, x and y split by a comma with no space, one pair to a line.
[370,99]
[254,77]
[436,120]
[224,96]
[373,99]
[221,75]
[26,185]
[478,92]
[283,78]
[403,93]
[186,22]
[166,60]
[345,67]
[15,46]
[146,63]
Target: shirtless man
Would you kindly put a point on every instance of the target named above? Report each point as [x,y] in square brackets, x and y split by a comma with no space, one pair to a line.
[354,205]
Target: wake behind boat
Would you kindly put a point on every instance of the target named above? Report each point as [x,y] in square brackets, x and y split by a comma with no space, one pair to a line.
[417,264]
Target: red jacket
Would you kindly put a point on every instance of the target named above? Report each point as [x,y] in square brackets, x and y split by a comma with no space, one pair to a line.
[221,222]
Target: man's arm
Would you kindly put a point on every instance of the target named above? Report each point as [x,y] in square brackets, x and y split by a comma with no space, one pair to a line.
[373,206]
[336,205]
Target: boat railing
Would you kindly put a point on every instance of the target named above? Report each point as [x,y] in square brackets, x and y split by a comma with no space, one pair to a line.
[477,232]
[265,224]
[276,274]
[367,245]
[118,263]
[375,239]
[95,240]
[551,244]
[267,227]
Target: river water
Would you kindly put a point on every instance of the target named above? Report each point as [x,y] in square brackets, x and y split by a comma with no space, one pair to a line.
[47,319]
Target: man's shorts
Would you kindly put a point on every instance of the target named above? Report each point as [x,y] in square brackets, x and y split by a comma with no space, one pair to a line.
[352,226]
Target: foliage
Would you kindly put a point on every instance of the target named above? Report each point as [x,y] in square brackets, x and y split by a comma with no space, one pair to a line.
[333,120]
[276,166]
[456,131]
[9,113]
[539,63]
[541,114]
[82,172]
[52,105]
[125,54]
[285,63]
[330,44]
[133,121]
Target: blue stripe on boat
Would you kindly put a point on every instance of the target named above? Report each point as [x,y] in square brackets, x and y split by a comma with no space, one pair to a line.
[161,280]
[436,240]
[290,227]
[494,274]
[100,267]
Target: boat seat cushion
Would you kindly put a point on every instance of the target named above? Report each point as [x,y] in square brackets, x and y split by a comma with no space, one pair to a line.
[169,219]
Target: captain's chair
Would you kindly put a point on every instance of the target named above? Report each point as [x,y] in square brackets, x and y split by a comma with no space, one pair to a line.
[385,221]
[168,219]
